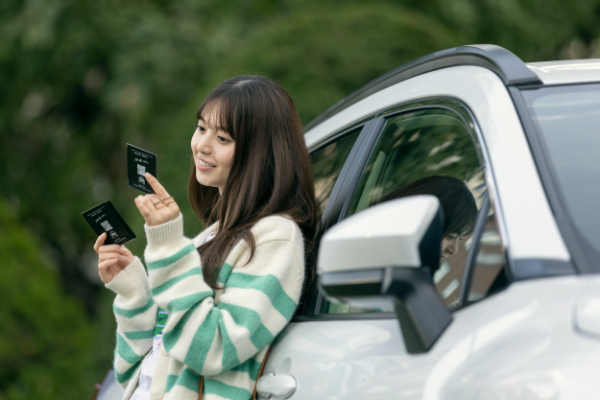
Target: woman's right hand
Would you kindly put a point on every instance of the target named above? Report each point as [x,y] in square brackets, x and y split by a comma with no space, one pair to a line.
[112,258]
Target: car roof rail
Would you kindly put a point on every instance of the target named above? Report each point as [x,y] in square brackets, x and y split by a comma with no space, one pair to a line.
[510,68]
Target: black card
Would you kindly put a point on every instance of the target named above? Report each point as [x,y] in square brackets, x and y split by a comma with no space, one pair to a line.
[140,161]
[105,218]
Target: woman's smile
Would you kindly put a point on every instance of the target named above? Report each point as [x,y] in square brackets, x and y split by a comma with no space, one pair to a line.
[203,165]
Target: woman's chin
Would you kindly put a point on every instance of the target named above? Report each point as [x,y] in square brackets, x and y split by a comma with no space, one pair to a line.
[205,182]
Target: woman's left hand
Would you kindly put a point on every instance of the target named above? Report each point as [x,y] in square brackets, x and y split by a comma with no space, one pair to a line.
[157,208]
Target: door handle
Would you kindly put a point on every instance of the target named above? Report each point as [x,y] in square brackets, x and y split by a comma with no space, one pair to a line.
[276,387]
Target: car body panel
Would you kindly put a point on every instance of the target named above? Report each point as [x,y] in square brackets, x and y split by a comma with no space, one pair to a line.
[530,229]
[567,71]
[527,347]
[364,358]
[519,344]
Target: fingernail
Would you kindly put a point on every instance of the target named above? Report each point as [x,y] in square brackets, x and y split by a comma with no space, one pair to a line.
[123,258]
[114,260]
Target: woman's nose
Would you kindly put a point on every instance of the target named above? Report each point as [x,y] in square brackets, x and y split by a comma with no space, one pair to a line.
[452,247]
[203,144]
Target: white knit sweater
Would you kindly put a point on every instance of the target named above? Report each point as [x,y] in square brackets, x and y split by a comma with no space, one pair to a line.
[222,335]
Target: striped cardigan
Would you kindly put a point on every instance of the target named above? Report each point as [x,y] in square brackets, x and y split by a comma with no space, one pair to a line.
[220,334]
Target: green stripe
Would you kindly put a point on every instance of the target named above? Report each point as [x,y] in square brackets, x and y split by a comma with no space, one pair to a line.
[212,386]
[125,376]
[203,338]
[136,311]
[140,335]
[171,259]
[125,351]
[187,379]
[250,319]
[168,284]
[224,273]
[171,337]
[171,379]
[185,302]
[229,358]
[251,366]
[269,285]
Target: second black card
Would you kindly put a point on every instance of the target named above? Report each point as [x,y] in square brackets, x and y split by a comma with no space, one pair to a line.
[140,161]
[105,218]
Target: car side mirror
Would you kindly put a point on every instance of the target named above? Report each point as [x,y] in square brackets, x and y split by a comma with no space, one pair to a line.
[386,255]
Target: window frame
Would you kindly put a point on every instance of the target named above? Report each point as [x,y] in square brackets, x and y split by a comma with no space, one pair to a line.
[580,259]
[347,182]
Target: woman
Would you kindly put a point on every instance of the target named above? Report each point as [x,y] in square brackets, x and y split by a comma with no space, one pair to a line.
[224,295]
[460,209]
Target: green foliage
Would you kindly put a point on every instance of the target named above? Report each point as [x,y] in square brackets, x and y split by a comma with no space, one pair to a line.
[80,79]
[321,54]
[46,344]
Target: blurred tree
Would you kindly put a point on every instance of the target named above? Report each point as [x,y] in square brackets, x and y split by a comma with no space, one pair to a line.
[321,54]
[46,341]
[80,79]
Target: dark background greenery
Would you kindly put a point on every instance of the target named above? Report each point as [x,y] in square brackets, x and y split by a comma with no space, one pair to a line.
[80,79]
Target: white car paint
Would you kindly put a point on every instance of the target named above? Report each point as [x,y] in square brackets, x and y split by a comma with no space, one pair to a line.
[520,344]
[526,347]
[567,71]
[527,224]
[537,339]
[368,240]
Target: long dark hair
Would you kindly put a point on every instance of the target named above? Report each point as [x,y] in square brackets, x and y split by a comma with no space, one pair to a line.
[271,172]
[460,209]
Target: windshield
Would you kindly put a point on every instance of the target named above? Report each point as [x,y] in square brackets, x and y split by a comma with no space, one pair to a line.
[568,118]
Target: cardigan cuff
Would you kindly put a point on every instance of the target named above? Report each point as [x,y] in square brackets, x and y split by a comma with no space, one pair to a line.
[167,236]
[131,282]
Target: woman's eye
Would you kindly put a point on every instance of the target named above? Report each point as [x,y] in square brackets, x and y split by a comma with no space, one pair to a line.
[201,129]
[222,139]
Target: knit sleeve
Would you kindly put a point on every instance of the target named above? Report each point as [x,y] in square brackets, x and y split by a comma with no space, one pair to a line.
[135,312]
[257,302]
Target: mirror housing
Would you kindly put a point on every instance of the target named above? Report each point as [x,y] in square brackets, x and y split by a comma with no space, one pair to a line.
[384,256]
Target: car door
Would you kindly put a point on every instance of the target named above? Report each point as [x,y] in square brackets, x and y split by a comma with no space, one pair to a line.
[334,351]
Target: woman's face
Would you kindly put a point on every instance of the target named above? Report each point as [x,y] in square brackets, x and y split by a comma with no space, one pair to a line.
[450,244]
[213,152]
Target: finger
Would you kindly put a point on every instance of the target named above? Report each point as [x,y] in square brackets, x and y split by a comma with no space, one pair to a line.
[104,265]
[99,242]
[114,248]
[152,198]
[109,256]
[104,270]
[158,188]
[139,202]
[149,204]
[170,202]
[125,251]
[154,202]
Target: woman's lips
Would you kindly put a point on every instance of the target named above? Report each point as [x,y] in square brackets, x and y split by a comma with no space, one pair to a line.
[203,165]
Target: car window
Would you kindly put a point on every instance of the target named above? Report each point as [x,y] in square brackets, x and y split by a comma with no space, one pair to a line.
[567,119]
[430,151]
[490,269]
[327,163]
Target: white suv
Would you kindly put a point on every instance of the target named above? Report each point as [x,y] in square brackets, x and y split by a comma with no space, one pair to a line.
[510,312]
